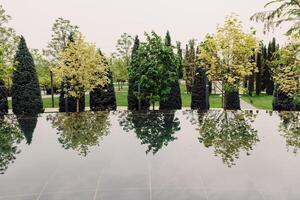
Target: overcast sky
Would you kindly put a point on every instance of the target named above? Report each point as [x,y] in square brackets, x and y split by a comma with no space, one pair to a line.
[103,21]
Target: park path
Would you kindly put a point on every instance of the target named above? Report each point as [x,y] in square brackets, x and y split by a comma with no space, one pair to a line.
[246,106]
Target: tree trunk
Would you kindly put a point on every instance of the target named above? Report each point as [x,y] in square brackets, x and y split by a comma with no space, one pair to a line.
[52,91]
[77,104]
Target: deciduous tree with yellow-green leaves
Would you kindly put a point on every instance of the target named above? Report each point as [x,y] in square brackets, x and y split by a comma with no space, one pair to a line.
[227,57]
[81,64]
[286,70]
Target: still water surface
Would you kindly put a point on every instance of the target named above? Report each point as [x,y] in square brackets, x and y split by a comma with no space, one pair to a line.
[183,155]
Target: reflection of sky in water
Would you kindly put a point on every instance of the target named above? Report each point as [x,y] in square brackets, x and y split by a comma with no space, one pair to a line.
[182,155]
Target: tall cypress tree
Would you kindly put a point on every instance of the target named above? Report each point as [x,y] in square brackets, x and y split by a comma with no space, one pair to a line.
[3,98]
[200,91]
[264,68]
[179,53]
[251,80]
[168,41]
[26,93]
[173,102]
[190,65]
[131,98]
[272,47]
[258,83]
[104,98]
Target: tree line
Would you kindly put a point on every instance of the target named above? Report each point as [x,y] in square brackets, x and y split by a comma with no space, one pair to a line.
[152,68]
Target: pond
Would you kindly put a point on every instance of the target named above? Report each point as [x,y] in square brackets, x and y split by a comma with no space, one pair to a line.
[182,155]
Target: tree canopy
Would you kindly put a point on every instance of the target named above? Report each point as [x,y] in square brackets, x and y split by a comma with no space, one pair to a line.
[285,11]
[154,68]
[82,65]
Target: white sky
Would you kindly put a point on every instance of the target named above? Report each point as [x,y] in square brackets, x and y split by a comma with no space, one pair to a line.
[103,21]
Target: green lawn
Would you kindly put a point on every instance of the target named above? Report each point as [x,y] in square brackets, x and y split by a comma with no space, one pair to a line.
[262,101]
[215,100]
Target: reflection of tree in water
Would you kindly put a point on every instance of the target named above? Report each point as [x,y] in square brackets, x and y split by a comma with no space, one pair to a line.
[10,137]
[27,125]
[290,129]
[156,129]
[228,132]
[80,131]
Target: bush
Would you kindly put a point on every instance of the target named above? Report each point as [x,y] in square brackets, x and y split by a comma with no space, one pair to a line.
[232,101]
[104,98]
[173,102]
[282,102]
[200,93]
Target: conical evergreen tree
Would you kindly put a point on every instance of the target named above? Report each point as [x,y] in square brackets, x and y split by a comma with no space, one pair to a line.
[251,80]
[168,41]
[3,99]
[104,98]
[264,68]
[26,93]
[173,102]
[179,53]
[190,65]
[269,82]
[200,91]
[131,98]
[258,83]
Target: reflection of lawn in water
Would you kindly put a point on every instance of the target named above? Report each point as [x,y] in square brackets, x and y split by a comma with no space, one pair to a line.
[262,101]
[215,100]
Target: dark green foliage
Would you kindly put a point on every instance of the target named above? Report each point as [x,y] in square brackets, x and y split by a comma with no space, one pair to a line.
[179,54]
[232,100]
[272,48]
[154,129]
[264,67]
[251,80]
[154,67]
[258,83]
[26,93]
[173,101]
[68,103]
[200,91]
[132,83]
[282,102]
[27,125]
[104,98]
[251,83]
[168,41]
[3,99]
[190,65]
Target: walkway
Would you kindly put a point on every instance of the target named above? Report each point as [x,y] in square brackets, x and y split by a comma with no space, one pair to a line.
[246,106]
